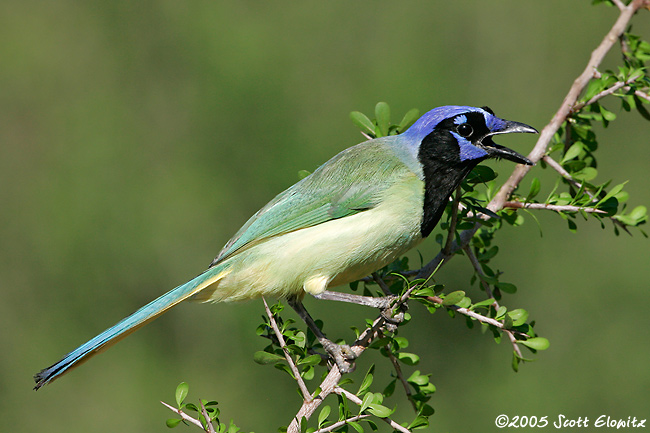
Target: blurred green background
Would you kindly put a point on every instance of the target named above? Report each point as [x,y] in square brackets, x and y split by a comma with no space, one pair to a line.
[136,138]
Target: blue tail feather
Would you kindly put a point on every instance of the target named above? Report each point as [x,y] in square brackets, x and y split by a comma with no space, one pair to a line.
[123,328]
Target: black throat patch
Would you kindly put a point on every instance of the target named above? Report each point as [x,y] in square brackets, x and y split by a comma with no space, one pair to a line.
[442,166]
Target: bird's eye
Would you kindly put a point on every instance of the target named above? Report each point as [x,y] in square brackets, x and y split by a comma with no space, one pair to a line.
[465,129]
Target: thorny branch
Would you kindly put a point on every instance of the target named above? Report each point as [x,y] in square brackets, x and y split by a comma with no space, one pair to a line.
[306,395]
[400,376]
[556,208]
[330,383]
[540,148]
[184,416]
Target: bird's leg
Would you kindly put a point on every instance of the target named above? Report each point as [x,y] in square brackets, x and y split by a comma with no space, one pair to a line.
[342,354]
[383,303]
[368,301]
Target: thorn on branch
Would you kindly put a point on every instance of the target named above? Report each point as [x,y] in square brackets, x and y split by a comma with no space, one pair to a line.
[209,428]
[556,208]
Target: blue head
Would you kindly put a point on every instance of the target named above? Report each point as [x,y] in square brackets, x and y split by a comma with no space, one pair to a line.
[445,144]
[461,134]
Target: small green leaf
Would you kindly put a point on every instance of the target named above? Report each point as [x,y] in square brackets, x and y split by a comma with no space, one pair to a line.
[172,422]
[382,114]
[518,316]
[593,88]
[515,361]
[181,392]
[303,174]
[322,416]
[641,109]
[390,388]
[586,174]
[639,213]
[465,302]
[310,360]
[572,152]
[607,115]
[638,216]
[507,287]
[488,254]
[367,380]
[355,425]
[262,357]
[481,174]
[418,379]
[408,358]
[362,121]
[536,343]
[612,192]
[366,401]
[379,410]
[409,119]
[507,322]
[418,423]
[453,298]
[535,186]
[485,303]
[424,291]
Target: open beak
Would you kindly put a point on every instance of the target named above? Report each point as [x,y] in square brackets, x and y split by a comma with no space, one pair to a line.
[498,151]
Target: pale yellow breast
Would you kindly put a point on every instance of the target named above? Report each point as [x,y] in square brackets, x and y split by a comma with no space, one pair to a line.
[329,254]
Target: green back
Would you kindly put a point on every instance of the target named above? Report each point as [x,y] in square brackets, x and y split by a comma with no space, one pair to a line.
[351,182]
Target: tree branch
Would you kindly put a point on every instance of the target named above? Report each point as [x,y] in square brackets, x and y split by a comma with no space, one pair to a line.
[400,376]
[642,95]
[332,379]
[547,133]
[209,427]
[556,208]
[569,102]
[306,395]
[184,416]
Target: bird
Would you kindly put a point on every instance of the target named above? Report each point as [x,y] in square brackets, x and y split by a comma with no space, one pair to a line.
[356,213]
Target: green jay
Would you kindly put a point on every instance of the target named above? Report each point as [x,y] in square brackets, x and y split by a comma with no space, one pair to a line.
[353,215]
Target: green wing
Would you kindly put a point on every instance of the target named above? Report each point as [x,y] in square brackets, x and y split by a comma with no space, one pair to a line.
[351,182]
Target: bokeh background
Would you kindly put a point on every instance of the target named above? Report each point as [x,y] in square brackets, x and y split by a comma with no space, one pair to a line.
[136,137]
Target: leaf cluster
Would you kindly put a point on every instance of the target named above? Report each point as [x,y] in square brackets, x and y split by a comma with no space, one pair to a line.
[207,413]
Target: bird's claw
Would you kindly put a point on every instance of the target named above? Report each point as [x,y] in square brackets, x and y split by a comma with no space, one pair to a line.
[391,317]
[341,354]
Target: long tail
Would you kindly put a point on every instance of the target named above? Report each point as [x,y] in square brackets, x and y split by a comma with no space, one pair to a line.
[126,326]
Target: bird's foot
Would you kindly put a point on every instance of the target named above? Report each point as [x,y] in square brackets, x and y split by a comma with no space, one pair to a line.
[341,354]
[393,316]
